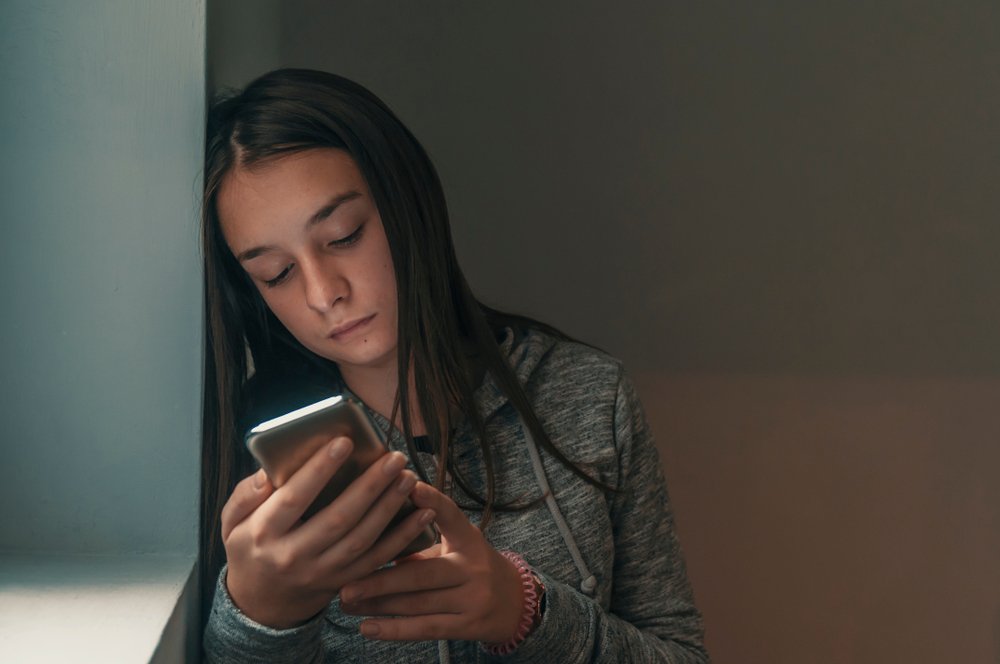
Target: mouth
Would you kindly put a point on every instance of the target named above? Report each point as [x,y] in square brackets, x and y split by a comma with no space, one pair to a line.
[347,328]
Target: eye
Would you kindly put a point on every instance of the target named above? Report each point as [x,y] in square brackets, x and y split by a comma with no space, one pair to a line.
[271,283]
[350,239]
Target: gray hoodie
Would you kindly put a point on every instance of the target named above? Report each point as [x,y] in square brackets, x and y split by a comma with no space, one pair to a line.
[616,586]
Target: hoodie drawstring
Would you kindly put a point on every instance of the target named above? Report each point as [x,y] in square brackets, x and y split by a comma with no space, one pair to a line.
[589,582]
[443,655]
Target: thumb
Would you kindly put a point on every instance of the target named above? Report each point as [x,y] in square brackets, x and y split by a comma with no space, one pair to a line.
[248,495]
[433,551]
[451,521]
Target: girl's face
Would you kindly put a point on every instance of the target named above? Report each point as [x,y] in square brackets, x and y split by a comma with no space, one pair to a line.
[306,230]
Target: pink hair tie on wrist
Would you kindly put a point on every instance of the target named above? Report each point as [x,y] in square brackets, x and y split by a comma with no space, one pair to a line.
[533,588]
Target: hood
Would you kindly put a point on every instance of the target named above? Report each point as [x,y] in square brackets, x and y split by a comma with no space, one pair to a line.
[524,352]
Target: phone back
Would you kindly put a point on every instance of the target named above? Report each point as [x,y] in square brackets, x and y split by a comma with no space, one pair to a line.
[283,444]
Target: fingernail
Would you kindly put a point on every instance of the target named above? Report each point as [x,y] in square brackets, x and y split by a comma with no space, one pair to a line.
[369,629]
[350,596]
[259,478]
[406,482]
[394,463]
[427,517]
[339,448]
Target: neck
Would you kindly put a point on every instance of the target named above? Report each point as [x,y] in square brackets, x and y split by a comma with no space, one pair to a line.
[376,386]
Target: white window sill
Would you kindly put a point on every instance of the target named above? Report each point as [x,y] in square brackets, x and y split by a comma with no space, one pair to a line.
[114,608]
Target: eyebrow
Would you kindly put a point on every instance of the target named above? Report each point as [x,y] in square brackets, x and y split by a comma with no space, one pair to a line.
[318,216]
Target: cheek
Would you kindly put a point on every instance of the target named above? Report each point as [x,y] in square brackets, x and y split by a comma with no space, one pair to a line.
[283,310]
[388,301]
[381,279]
[389,282]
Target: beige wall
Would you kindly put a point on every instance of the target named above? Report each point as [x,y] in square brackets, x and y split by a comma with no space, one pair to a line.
[782,216]
[836,520]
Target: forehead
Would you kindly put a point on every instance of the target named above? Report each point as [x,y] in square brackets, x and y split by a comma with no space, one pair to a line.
[285,190]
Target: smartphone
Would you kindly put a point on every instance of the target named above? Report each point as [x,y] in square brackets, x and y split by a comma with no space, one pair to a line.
[283,444]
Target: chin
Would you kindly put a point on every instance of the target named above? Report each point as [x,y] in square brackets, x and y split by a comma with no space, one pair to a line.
[367,358]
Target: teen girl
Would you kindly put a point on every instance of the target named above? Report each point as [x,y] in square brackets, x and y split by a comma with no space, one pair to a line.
[329,262]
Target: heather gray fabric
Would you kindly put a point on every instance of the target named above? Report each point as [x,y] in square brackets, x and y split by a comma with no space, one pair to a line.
[642,609]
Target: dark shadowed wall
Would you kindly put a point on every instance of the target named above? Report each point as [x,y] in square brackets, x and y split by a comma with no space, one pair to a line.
[782,216]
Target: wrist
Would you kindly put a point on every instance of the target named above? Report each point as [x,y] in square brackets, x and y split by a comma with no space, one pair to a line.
[532,598]
[264,611]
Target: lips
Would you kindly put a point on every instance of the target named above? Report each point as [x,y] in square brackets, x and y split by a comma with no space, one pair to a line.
[350,326]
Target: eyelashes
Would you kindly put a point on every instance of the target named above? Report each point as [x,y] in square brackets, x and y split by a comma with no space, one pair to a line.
[350,239]
[271,283]
[341,243]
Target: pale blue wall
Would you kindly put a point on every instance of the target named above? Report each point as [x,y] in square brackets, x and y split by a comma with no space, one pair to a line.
[102,129]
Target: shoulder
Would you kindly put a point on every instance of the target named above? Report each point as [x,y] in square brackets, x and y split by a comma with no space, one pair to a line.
[570,368]
[576,390]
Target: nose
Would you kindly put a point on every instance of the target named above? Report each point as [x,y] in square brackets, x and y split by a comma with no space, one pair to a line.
[324,285]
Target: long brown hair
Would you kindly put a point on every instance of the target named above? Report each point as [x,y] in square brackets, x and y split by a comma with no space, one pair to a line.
[439,319]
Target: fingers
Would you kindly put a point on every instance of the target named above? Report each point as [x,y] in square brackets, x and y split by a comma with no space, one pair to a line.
[346,530]
[290,501]
[248,495]
[395,539]
[451,521]
[459,594]
[430,602]
[366,500]
[384,549]
[416,576]
[433,551]
[421,628]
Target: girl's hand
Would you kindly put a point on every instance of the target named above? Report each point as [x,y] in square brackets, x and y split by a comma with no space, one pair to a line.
[283,571]
[461,589]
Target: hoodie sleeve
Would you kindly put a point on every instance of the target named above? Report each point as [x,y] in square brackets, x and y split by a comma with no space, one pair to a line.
[652,617]
[233,638]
